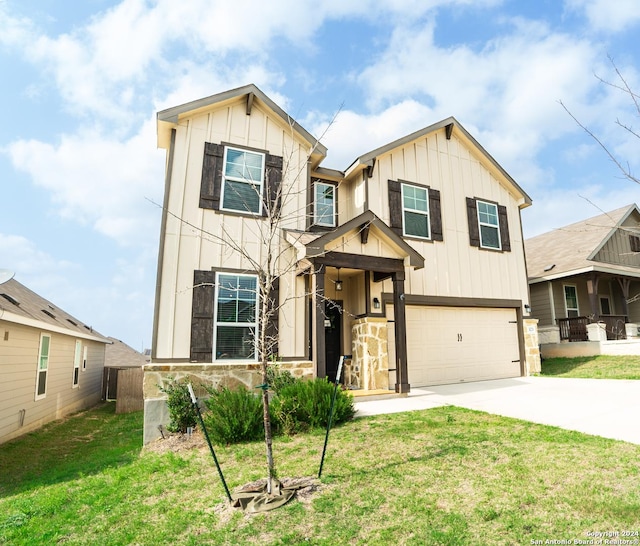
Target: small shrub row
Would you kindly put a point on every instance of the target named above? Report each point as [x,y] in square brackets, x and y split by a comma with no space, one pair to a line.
[236,415]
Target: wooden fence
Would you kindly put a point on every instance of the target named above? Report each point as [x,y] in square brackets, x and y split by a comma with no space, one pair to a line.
[124,385]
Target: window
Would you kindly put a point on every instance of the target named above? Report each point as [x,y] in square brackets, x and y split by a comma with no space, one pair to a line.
[489,225]
[605,305]
[415,211]
[571,301]
[85,356]
[236,317]
[324,204]
[634,241]
[43,366]
[76,363]
[243,178]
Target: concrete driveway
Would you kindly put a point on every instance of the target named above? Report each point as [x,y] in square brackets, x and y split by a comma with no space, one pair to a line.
[604,407]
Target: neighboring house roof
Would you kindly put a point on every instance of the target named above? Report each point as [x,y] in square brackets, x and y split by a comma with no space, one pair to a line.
[449,124]
[571,250]
[121,355]
[171,116]
[23,306]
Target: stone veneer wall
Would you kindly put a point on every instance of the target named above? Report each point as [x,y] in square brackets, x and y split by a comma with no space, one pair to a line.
[216,375]
[531,346]
[369,368]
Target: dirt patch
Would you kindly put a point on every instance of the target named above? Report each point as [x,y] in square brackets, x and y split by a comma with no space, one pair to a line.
[177,442]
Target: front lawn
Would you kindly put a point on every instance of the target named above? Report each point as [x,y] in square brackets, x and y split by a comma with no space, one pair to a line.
[440,476]
[594,367]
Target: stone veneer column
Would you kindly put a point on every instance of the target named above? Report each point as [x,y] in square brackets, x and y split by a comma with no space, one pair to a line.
[531,346]
[370,355]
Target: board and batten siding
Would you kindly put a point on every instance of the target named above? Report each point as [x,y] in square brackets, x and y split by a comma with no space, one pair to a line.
[617,250]
[453,267]
[199,239]
[18,369]
[541,303]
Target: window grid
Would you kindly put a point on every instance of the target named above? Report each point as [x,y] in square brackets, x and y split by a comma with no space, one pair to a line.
[324,209]
[243,178]
[489,225]
[235,317]
[415,211]
[43,366]
[571,301]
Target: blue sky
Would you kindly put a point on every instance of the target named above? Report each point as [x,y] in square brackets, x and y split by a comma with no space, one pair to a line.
[83,80]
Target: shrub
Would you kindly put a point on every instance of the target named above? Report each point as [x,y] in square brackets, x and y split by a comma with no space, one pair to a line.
[306,404]
[233,416]
[278,378]
[182,414]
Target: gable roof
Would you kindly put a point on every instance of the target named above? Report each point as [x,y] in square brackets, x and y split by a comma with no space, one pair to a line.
[450,124]
[571,249]
[170,117]
[315,244]
[23,306]
[121,355]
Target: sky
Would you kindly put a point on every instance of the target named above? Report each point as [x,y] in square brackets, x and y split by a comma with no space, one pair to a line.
[81,82]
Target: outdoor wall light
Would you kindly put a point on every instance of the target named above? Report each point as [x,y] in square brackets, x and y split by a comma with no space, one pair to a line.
[376,303]
[338,282]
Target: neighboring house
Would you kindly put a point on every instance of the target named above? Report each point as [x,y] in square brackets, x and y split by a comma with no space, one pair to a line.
[411,259]
[123,376]
[50,363]
[587,272]
[121,355]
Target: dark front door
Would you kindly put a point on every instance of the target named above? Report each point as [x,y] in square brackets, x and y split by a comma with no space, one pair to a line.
[332,336]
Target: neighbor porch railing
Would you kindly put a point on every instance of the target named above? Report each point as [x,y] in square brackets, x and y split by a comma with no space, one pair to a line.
[575,328]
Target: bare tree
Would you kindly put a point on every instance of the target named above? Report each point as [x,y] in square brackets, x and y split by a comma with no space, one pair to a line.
[623,86]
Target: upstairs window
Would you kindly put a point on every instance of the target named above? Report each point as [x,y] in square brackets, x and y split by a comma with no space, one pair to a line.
[571,300]
[76,363]
[236,317]
[415,211]
[324,204]
[243,179]
[488,225]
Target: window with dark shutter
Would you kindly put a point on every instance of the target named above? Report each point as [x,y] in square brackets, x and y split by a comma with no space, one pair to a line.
[488,225]
[202,316]
[634,240]
[472,220]
[240,180]
[437,233]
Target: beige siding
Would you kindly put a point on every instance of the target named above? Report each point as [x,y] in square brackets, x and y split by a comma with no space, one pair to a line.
[18,365]
[204,239]
[541,304]
[617,249]
[453,267]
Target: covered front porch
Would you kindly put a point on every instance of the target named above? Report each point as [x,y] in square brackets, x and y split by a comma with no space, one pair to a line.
[344,271]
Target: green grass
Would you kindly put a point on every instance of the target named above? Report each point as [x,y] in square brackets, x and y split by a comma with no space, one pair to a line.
[594,367]
[442,476]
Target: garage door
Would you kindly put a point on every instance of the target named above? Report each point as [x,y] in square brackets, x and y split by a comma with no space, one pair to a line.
[454,344]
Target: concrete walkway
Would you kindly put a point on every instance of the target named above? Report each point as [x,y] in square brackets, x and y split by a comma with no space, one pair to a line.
[604,407]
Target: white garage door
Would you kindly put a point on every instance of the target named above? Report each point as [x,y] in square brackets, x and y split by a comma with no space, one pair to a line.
[454,344]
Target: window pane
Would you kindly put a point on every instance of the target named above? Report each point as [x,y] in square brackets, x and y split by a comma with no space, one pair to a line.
[416,224]
[241,196]
[571,297]
[324,204]
[488,213]
[244,165]
[415,198]
[44,348]
[489,237]
[42,382]
[234,342]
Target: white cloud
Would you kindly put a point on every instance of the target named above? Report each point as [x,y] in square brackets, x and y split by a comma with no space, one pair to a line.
[607,15]
[22,256]
[99,180]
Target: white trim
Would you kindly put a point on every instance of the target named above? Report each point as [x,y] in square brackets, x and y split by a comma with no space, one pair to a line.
[254,324]
[496,227]
[415,211]
[41,325]
[316,221]
[85,357]
[250,182]
[598,268]
[45,370]
[552,302]
[564,295]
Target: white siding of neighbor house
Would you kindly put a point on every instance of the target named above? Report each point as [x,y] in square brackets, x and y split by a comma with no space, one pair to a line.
[453,267]
[18,369]
[195,238]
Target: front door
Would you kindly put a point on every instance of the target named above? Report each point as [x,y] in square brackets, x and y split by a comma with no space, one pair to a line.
[332,336]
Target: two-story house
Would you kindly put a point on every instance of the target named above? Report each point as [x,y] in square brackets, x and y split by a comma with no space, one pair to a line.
[411,259]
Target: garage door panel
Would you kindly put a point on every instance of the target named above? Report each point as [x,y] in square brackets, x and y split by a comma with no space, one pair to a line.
[452,344]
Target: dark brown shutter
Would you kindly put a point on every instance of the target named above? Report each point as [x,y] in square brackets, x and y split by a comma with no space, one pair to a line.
[273,311]
[202,316]
[472,218]
[504,228]
[211,176]
[634,241]
[395,206]
[273,177]
[436,215]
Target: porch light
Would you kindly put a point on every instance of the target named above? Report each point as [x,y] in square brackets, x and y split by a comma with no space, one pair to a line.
[376,303]
[338,282]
